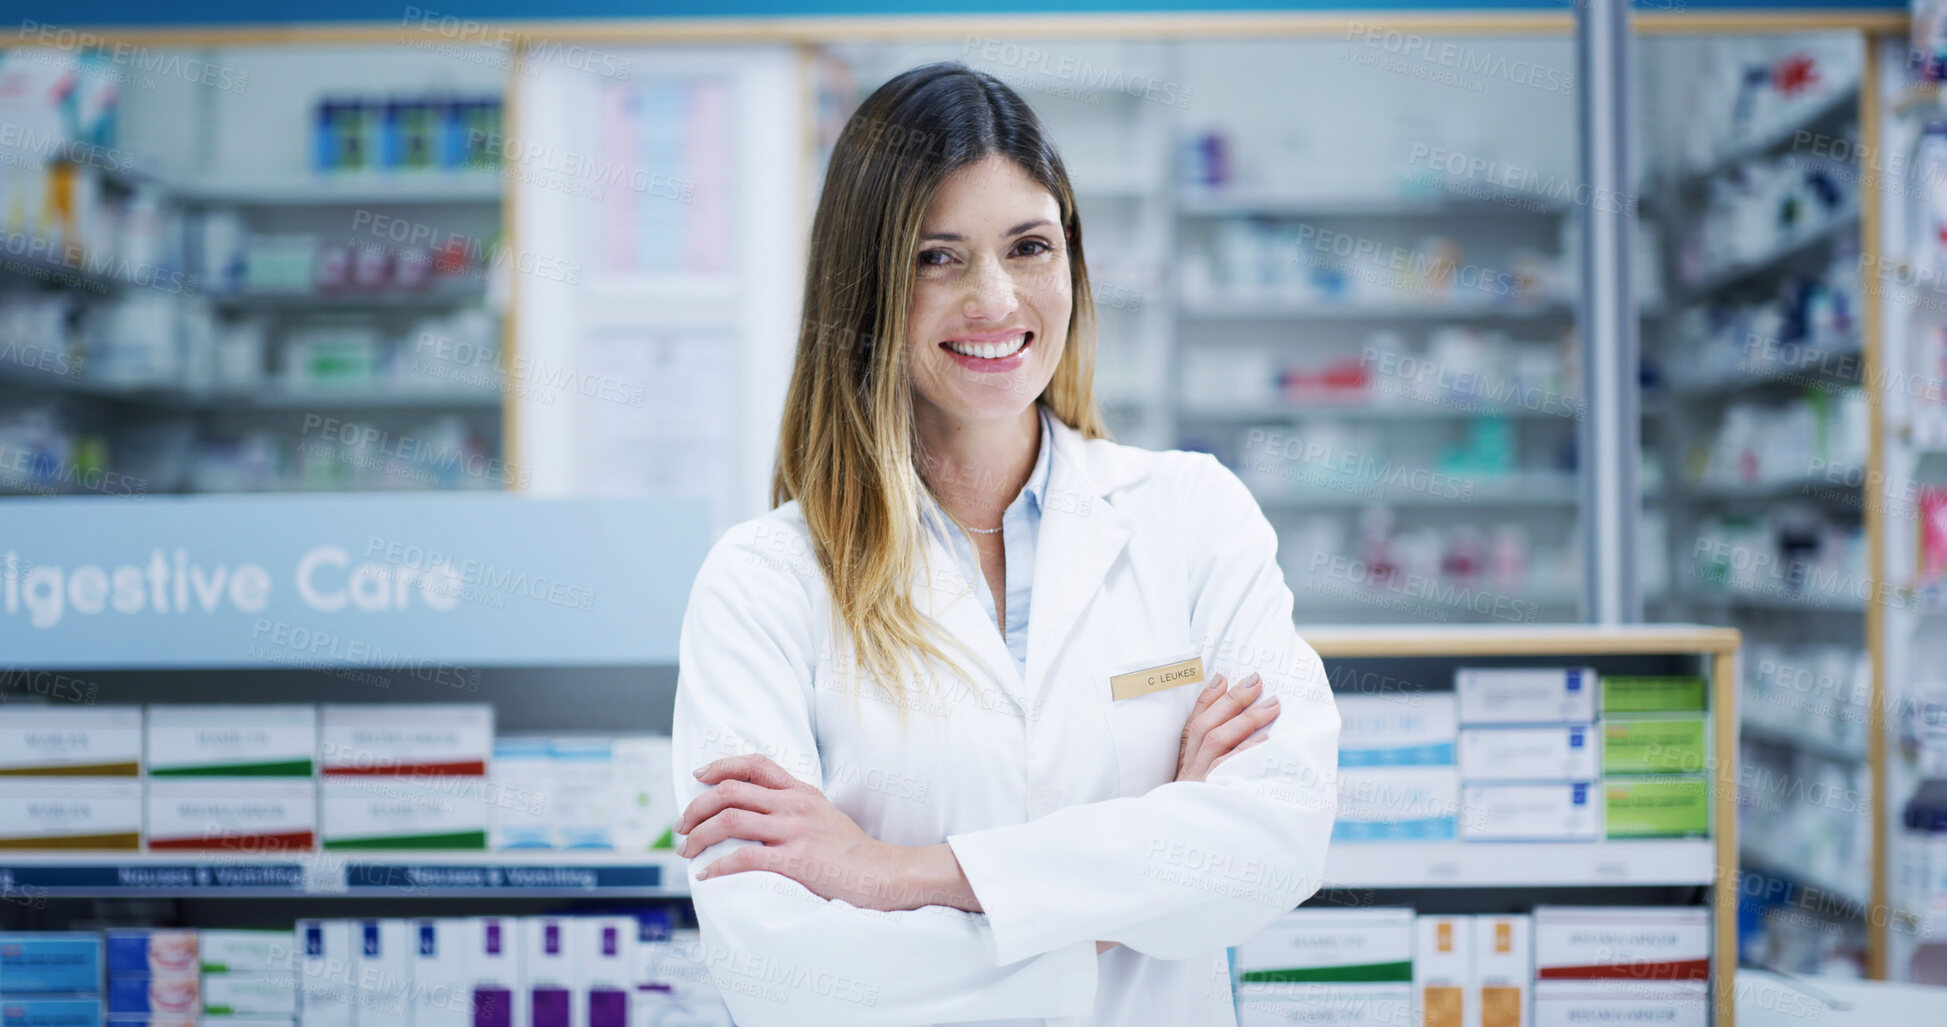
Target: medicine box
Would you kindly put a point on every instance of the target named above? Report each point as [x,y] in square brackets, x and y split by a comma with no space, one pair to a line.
[1555,752]
[1390,804]
[607,961]
[324,955]
[1634,943]
[50,961]
[1581,1003]
[241,815]
[227,741]
[157,1020]
[1667,744]
[251,995]
[50,1011]
[555,996]
[406,739]
[673,979]
[91,741]
[522,781]
[71,813]
[1526,695]
[1363,945]
[494,972]
[155,993]
[1443,971]
[246,952]
[1676,806]
[646,806]
[1405,729]
[152,951]
[1503,969]
[1540,811]
[404,813]
[381,973]
[583,793]
[1325,1005]
[1653,694]
[442,987]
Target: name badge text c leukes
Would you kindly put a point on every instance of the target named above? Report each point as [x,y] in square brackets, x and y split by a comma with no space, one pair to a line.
[1150,680]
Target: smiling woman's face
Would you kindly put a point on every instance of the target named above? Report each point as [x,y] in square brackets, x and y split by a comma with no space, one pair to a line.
[991,294]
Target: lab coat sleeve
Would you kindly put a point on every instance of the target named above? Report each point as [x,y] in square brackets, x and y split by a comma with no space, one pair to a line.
[1192,866]
[780,954]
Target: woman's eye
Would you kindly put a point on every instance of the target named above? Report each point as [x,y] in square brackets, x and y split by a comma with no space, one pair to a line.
[1033,248]
[934,258]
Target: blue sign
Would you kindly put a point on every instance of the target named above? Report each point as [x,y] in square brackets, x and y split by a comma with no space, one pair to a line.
[431,585]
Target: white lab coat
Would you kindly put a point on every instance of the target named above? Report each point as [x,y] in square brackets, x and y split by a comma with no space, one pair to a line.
[1058,801]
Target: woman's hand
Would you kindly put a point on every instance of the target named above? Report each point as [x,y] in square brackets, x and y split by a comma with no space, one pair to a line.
[803,835]
[1220,723]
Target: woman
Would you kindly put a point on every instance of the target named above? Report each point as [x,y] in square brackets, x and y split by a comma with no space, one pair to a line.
[944,744]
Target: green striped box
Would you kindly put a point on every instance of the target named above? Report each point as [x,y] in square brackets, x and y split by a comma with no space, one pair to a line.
[1655,744]
[270,740]
[1364,946]
[421,813]
[1653,693]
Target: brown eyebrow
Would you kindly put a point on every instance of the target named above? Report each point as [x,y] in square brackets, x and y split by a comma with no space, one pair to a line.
[1016,230]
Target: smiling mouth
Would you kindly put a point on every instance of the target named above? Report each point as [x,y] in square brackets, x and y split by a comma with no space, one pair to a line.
[991,350]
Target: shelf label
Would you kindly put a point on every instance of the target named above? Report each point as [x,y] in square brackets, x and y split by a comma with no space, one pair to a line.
[414,877]
[145,877]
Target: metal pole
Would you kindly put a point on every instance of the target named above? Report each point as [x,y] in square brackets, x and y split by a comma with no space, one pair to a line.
[1610,432]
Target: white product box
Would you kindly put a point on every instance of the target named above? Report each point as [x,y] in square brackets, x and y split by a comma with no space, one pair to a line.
[416,812]
[1325,1005]
[58,1011]
[1406,729]
[554,995]
[71,813]
[1558,752]
[246,952]
[324,978]
[406,739]
[1443,971]
[1526,695]
[1503,969]
[496,985]
[381,973]
[95,741]
[153,950]
[521,786]
[584,793]
[218,741]
[673,981]
[49,961]
[607,960]
[1397,804]
[154,993]
[244,815]
[1361,942]
[646,808]
[252,995]
[442,984]
[1654,943]
[1581,1003]
[1552,812]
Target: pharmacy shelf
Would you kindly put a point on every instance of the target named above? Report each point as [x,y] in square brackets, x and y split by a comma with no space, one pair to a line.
[1800,602]
[1840,221]
[1510,865]
[1500,493]
[1483,203]
[344,875]
[373,396]
[1754,862]
[432,298]
[1830,112]
[26,268]
[432,187]
[1381,408]
[1769,734]
[1841,348]
[1275,310]
[1806,487]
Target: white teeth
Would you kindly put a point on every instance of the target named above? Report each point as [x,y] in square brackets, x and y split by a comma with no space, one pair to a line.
[989,350]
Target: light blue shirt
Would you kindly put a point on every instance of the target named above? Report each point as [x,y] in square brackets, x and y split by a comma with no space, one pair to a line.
[1020,528]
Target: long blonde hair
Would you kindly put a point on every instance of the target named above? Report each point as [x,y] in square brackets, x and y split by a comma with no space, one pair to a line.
[845,449]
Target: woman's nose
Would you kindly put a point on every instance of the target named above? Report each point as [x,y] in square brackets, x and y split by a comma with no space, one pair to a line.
[990,293]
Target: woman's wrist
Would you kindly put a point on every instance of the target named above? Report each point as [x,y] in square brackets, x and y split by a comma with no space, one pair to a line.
[930,875]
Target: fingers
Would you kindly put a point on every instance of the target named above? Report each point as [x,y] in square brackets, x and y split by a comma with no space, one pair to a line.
[724,796]
[750,857]
[753,767]
[734,823]
[1228,705]
[1248,744]
[1224,737]
[1209,695]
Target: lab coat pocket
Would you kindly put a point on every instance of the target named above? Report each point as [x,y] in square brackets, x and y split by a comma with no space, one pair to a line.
[1148,728]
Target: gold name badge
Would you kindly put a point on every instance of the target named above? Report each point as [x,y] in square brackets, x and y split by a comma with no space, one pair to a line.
[1156,679]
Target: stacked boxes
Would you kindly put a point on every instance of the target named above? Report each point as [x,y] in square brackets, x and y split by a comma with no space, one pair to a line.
[1343,968]
[1527,753]
[673,980]
[381,971]
[154,978]
[50,980]
[1397,780]
[237,778]
[441,990]
[601,793]
[326,993]
[1656,751]
[69,777]
[1503,969]
[493,972]
[249,978]
[1622,965]
[406,776]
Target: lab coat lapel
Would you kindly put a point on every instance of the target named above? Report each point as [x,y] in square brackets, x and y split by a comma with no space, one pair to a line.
[1081,536]
[954,603]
